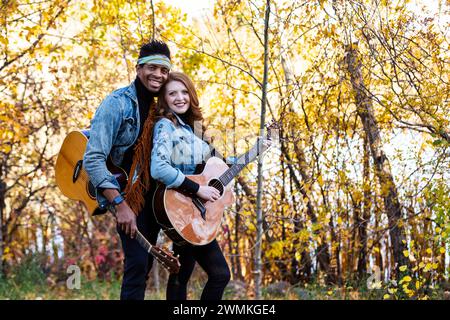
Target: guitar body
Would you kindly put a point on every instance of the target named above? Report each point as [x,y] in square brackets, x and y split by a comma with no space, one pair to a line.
[181,218]
[71,177]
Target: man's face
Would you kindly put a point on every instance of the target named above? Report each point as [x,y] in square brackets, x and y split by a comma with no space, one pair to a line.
[153,76]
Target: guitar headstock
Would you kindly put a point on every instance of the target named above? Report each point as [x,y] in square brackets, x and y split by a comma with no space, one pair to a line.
[272,135]
[166,258]
[273,125]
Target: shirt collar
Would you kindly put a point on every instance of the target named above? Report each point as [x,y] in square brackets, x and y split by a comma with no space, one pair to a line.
[180,121]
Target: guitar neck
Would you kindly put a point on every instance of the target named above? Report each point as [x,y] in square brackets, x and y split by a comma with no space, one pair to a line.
[139,237]
[242,162]
[143,241]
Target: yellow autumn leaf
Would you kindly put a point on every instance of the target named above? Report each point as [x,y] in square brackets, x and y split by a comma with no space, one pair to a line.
[320,180]
[406,279]
[4,40]
[6,148]
[417,285]
[392,290]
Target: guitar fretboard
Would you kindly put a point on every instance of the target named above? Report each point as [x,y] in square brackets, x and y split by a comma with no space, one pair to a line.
[242,161]
[143,242]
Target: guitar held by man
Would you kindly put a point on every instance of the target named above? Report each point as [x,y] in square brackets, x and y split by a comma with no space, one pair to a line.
[74,183]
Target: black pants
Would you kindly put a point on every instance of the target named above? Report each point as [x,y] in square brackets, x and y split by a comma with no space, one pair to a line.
[138,262]
[211,259]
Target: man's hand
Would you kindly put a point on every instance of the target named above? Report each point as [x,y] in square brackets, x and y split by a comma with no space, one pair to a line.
[126,219]
[208,193]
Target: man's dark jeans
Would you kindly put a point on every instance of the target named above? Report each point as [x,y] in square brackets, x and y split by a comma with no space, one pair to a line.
[138,262]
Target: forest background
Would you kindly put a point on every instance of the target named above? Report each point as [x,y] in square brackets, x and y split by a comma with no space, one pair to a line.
[355,197]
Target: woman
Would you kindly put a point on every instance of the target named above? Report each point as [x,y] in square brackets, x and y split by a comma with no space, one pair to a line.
[176,153]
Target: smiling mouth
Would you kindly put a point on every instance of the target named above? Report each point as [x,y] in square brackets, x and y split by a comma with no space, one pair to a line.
[153,81]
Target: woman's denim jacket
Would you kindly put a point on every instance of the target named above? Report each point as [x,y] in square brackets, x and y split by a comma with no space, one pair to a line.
[176,152]
[114,129]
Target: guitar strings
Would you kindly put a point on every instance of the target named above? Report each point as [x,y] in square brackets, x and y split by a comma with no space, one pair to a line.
[218,184]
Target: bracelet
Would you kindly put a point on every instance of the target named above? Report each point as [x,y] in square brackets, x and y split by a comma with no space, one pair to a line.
[117,200]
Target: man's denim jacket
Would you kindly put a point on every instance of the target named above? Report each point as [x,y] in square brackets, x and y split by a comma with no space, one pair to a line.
[114,129]
[177,151]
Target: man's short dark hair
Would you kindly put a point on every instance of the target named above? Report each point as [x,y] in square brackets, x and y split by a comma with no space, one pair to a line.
[154,47]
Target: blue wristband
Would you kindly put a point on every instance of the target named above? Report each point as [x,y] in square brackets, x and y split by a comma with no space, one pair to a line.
[117,200]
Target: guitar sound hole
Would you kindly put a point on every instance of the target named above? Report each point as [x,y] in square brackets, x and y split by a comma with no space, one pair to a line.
[216,184]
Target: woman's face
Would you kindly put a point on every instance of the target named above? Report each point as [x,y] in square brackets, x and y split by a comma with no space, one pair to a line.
[177,97]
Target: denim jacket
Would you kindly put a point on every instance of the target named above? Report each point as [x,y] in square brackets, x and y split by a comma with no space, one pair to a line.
[176,152]
[114,128]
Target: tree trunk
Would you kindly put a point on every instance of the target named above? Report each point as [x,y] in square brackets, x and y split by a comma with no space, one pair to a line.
[382,166]
[282,264]
[235,261]
[355,244]
[322,252]
[237,272]
[302,271]
[362,223]
[377,244]
[259,213]
[334,273]
[2,209]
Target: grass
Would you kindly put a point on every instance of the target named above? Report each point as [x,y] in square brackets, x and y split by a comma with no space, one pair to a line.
[30,281]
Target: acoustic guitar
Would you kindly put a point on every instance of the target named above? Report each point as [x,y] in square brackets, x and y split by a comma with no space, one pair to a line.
[189,219]
[74,183]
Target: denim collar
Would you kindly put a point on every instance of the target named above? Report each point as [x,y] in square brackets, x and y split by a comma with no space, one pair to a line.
[131,92]
[179,119]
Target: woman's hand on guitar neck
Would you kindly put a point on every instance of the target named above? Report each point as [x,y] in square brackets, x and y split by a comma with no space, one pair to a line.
[126,219]
[208,193]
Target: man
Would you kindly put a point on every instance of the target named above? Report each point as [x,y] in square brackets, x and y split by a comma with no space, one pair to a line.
[121,128]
